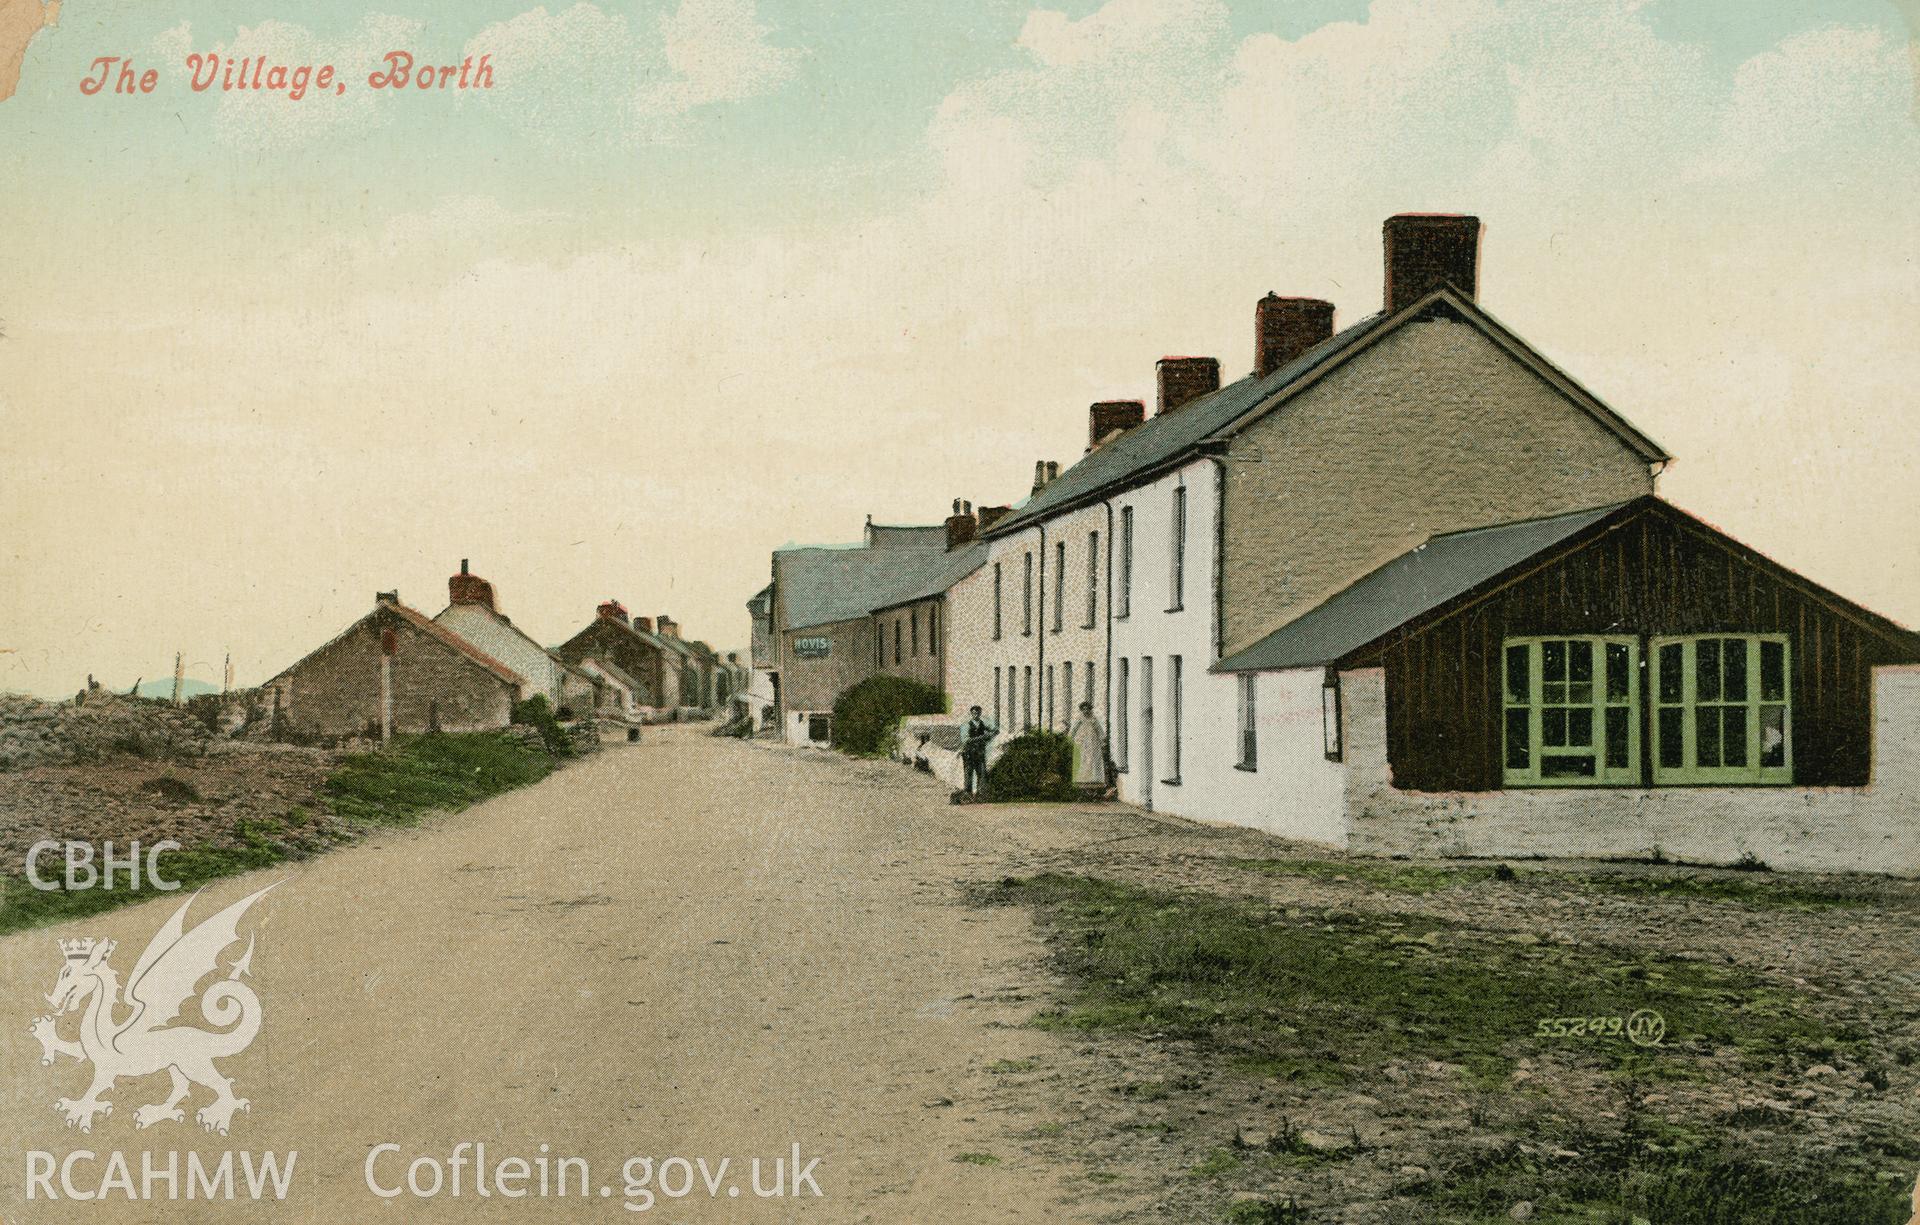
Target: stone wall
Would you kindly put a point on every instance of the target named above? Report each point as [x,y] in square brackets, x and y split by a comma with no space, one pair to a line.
[1875,828]
[336,690]
[95,726]
[1434,430]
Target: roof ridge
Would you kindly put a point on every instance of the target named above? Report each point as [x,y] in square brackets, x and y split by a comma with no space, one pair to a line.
[1597,508]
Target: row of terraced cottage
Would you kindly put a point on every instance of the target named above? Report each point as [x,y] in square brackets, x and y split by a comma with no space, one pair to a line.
[1406,588]
[397,670]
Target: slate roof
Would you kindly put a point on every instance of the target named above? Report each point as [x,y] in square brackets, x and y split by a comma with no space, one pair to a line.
[824,584]
[1168,436]
[1413,583]
[960,563]
[617,674]
[1162,437]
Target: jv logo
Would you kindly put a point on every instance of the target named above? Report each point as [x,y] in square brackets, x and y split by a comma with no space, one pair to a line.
[146,1041]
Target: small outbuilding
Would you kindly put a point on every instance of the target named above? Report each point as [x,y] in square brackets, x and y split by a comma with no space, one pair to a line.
[1607,683]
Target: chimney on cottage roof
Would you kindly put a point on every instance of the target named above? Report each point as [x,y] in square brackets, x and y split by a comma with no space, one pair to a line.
[387,597]
[467,587]
[1183,379]
[1045,472]
[669,628]
[1284,328]
[990,515]
[612,610]
[961,525]
[643,624]
[1108,417]
[1427,250]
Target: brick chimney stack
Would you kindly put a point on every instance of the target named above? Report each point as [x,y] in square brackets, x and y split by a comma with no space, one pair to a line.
[961,525]
[990,515]
[1427,250]
[669,628]
[1284,328]
[387,597]
[1111,416]
[1182,379]
[613,610]
[643,624]
[467,587]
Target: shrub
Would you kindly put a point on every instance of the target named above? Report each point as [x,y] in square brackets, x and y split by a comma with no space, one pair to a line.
[171,790]
[865,715]
[1035,766]
[535,713]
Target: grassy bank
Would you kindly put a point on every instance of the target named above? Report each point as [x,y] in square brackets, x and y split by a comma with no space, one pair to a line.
[1759,890]
[1328,999]
[415,776]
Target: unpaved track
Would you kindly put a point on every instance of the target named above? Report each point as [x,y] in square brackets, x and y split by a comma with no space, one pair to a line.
[692,947]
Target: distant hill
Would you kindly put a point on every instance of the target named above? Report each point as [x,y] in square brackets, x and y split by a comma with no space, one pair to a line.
[163,688]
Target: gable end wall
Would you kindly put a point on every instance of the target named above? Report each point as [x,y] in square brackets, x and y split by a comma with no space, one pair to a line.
[1434,429]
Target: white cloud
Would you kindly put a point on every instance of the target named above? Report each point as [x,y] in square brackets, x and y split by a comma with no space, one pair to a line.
[589,72]
[717,51]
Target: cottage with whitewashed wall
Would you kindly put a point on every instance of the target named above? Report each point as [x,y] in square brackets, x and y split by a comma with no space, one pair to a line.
[1237,516]
[474,615]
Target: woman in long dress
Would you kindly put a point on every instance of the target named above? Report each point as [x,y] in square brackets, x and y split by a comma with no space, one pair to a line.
[1089,753]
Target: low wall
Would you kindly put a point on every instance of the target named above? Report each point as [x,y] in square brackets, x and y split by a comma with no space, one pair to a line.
[1875,828]
[935,741]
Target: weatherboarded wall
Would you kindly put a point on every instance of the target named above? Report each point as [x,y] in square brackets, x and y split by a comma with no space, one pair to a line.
[1434,430]
[1875,828]
[1657,573]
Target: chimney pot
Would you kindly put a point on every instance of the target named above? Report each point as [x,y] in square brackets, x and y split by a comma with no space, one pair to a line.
[1427,250]
[1284,328]
[1053,471]
[1109,416]
[961,525]
[467,587]
[643,624]
[1183,379]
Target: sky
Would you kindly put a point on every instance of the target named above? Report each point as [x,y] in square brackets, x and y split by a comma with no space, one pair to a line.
[699,278]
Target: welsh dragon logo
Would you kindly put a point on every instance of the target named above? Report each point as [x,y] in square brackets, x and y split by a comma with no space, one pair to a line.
[141,1039]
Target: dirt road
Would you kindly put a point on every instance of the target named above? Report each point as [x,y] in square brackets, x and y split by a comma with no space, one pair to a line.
[691,948]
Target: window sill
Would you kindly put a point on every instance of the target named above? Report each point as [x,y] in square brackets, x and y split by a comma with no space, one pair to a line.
[1174,608]
[1245,768]
[1170,782]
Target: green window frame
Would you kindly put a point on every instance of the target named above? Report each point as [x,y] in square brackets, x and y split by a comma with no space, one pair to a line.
[1722,709]
[1570,711]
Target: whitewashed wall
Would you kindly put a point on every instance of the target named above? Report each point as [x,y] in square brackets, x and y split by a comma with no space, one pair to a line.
[1209,720]
[541,671]
[1875,828]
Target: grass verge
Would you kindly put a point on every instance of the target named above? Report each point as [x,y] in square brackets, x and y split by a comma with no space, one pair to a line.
[1746,889]
[1330,998]
[417,775]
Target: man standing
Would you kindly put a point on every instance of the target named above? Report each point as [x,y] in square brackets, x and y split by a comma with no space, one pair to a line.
[1089,754]
[975,735]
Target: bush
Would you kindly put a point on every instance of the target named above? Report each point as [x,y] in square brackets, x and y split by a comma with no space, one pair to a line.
[535,713]
[1034,766]
[171,790]
[866,714]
